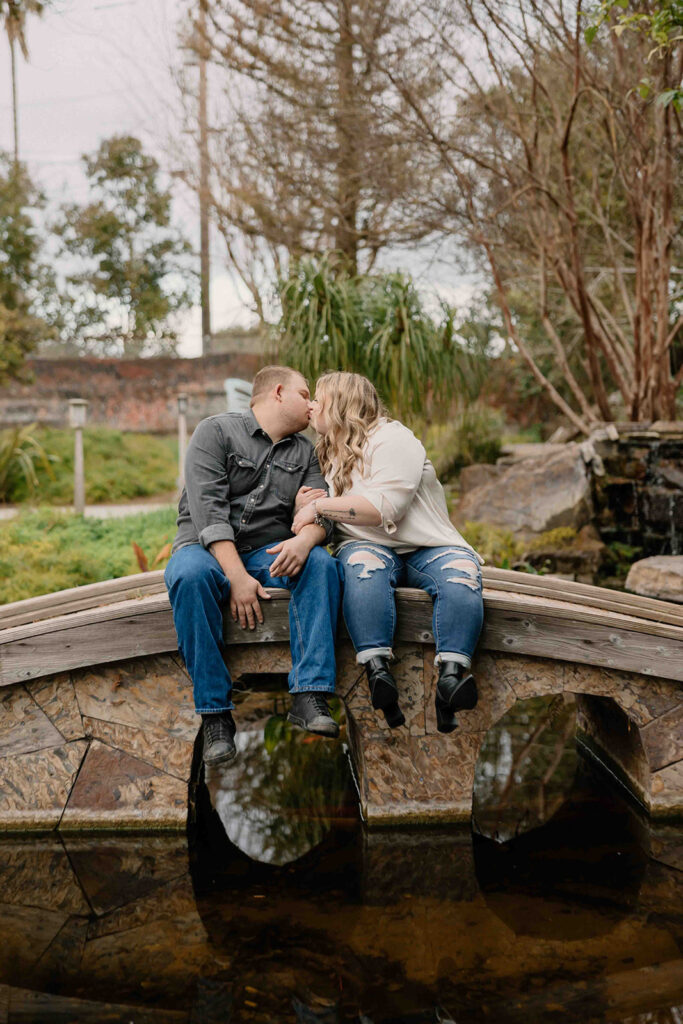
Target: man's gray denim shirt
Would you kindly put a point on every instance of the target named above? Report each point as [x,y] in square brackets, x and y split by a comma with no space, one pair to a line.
[239,486]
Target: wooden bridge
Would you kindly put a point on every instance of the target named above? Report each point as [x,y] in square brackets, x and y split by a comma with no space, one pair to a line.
[97,727]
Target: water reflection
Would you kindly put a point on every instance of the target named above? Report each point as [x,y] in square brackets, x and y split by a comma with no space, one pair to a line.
[526,766]
[279,798]
[312,919]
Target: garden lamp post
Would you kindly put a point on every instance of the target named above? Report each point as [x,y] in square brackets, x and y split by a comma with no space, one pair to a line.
[77,412]
[182,437]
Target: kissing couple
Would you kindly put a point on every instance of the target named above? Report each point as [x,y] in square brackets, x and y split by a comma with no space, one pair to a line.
[262,507]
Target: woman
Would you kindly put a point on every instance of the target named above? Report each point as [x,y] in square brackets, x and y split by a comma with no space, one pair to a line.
[393,529]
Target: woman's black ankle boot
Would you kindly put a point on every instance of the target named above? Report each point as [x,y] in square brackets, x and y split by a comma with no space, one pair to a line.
[383,691]
[456,690]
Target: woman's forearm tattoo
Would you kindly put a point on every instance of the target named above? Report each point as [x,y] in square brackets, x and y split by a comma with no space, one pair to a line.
[338,514]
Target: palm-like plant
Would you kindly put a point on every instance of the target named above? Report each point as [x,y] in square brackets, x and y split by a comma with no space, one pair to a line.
[14,14]
[19,452]
[375,325]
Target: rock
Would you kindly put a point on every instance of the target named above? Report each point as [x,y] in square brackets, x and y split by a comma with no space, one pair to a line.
[534,495]
[528,450]
[477,475]
[660,576]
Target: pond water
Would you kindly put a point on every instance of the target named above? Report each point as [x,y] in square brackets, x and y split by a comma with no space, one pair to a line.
[558,904]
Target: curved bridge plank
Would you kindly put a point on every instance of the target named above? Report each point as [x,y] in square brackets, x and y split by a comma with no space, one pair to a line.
[125,588]
[515,622]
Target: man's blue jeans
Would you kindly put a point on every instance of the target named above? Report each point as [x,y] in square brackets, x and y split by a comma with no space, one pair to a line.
[198,590]
[450,575]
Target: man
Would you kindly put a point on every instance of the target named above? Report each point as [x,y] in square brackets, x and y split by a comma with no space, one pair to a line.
[244,475]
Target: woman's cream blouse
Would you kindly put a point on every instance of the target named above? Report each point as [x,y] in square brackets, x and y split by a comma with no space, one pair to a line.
[400,481]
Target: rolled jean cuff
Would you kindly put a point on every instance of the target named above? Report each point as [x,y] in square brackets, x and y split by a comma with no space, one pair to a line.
[363,657]
[461,659]
[215,711]
[328,688]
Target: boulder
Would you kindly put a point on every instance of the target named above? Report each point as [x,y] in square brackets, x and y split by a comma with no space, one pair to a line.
[534,495]
[477,475]
[660,576]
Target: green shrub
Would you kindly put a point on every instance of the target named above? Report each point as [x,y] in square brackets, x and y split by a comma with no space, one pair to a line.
[523,435]
[44,550]
[499,547]
[560,537]
[619,558]
[118,467]
[503,550]
[473,435]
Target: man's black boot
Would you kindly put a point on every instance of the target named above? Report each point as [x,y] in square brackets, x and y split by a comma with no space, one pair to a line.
[456,690]
[219,738]
[383,691]
[310,711]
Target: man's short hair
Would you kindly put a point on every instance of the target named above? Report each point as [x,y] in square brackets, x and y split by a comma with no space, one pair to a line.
[269,377]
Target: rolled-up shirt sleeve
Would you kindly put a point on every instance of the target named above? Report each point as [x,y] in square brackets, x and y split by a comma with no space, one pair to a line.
[315,479]
[394,476]
[206,484]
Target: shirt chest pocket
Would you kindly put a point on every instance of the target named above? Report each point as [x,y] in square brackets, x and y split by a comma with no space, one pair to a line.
[241,473]
[286,477]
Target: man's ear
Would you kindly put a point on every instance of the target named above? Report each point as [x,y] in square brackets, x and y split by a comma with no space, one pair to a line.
[277,392]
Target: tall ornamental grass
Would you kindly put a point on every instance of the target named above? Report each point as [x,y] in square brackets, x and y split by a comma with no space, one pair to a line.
[376,325]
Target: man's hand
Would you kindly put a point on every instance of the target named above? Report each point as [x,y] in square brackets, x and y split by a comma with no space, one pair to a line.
[305,495]
[244,594]
[291,555]
[304,517]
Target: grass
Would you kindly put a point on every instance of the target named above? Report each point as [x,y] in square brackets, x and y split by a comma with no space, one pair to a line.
[118,467]
[43,550]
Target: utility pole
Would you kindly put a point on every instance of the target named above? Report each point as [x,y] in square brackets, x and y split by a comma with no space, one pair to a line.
[204,234]
[15,113]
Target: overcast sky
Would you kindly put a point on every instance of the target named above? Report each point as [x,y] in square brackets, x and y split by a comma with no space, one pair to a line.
[101,67]
[98,68]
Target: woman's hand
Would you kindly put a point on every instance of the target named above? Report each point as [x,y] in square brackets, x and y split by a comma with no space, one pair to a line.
[291,556]
[304,517]
[305,495]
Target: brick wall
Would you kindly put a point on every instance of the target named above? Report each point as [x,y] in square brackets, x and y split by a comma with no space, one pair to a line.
[128,394]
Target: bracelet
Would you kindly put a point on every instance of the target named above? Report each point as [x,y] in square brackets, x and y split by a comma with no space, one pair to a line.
[318,519]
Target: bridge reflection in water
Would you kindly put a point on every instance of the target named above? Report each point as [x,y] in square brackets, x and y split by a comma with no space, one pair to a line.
[279,906]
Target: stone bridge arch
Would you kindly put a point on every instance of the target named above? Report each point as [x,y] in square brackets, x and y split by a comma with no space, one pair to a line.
[97,726]
[632,725]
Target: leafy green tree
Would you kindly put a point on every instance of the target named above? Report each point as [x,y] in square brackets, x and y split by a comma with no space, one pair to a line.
[134,268]
[661,22]
[375,325]
[24,279]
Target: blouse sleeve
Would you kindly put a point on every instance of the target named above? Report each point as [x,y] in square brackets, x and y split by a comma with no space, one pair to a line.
[394,476]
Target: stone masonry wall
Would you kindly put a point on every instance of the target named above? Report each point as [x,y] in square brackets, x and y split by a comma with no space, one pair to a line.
[639,500]
[127,394]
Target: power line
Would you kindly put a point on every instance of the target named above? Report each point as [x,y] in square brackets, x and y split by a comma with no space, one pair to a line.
[68,99]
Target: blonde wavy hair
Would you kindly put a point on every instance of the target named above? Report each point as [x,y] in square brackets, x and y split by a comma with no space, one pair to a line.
[352,408]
